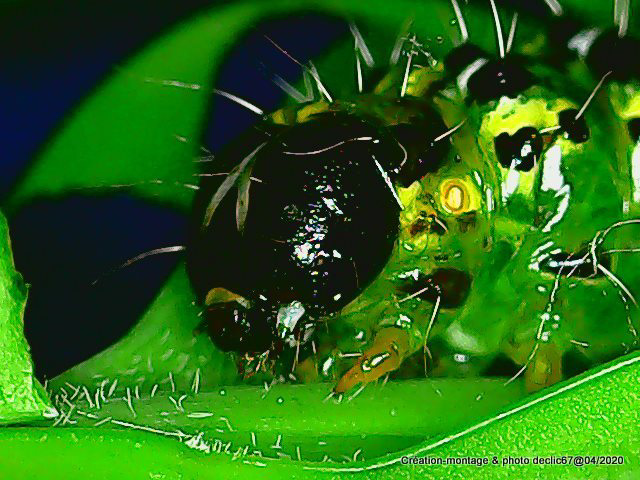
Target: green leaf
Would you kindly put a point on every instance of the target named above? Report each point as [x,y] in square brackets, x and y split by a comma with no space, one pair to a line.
[595,414]
[22,398]
[142,126]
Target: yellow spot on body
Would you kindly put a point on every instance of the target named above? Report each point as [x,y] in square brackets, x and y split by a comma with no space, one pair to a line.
[454,198]
[459,195]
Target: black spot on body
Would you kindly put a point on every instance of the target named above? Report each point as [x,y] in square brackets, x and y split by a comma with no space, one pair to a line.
[575,362]
[523,149]
[576,130]
[501,366]
[634,129]
[498,78]
[579,264]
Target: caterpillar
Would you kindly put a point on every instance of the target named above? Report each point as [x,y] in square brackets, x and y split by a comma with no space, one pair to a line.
[494,215]
[458,211]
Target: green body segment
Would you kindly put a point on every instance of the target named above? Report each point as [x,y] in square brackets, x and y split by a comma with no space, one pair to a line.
[564,205]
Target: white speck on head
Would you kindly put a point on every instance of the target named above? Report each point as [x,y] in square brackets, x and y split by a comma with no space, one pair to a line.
[477,177]
[289,315]
[326,365]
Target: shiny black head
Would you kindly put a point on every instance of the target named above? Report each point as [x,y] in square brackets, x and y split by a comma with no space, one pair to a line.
[320,226]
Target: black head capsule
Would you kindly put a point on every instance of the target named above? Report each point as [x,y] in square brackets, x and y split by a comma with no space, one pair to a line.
[321,223]
[505,148]
[522,149]
[576,130]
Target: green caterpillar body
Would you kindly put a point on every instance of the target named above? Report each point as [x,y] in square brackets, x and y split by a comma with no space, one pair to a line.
[536,263]
[517,248]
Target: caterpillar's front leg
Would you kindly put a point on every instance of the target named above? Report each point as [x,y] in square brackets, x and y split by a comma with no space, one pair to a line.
[391,346]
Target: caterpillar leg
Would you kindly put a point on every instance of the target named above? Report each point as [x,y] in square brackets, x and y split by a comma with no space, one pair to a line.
[390,347]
